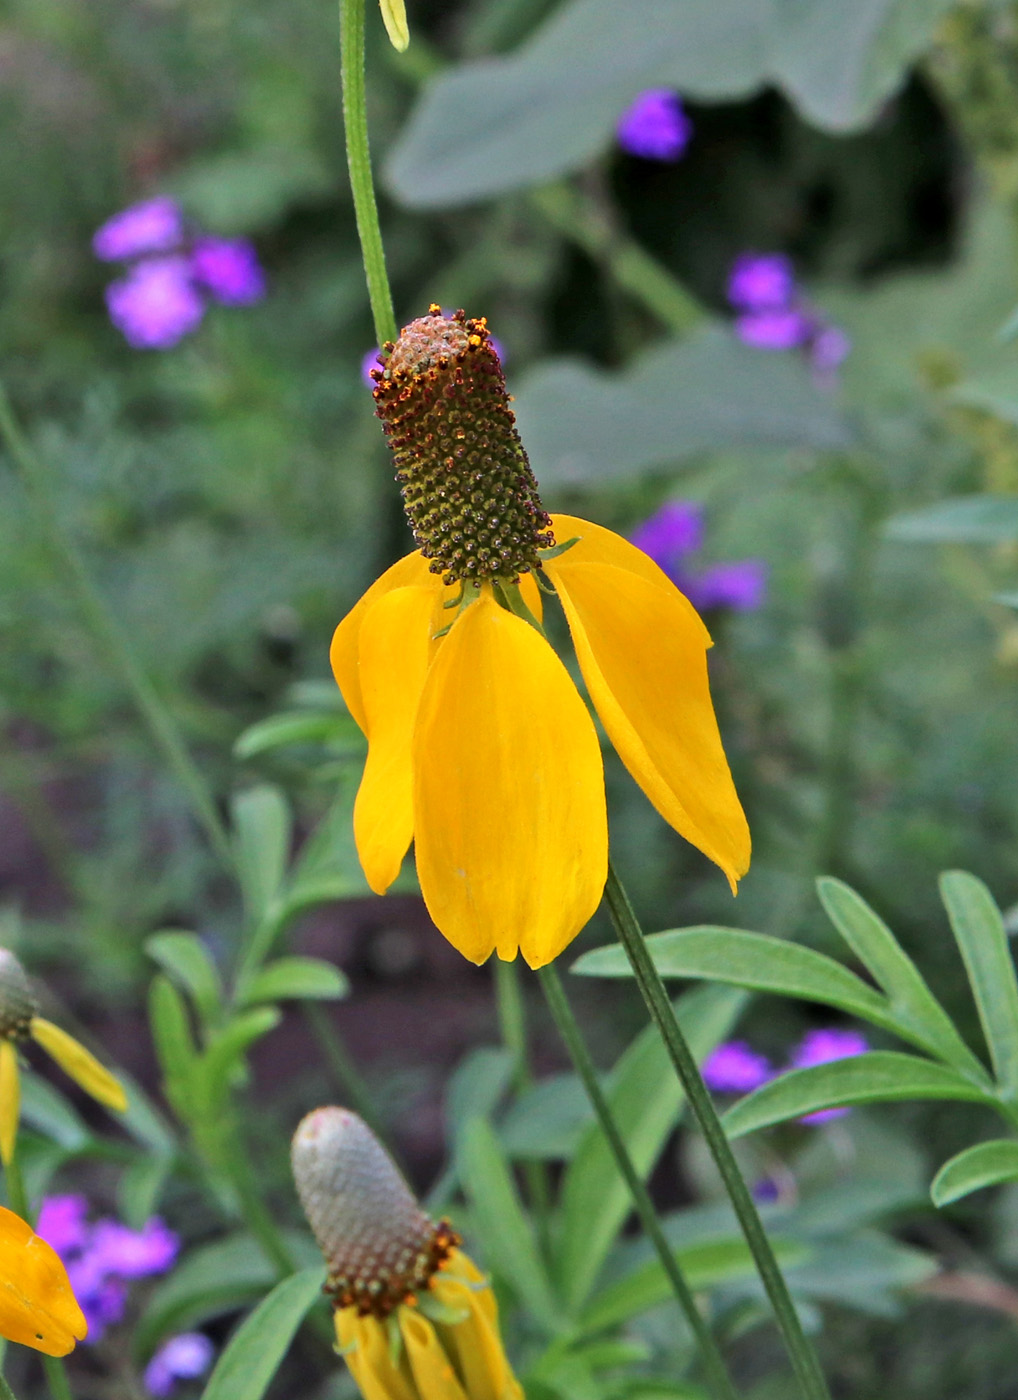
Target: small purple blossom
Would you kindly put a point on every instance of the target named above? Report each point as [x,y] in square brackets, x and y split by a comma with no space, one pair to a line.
[229,269]
[62,1222]
[156,304]
[820,1047]
[827,350]
[761,282]
[734,1068]
[154,226]
[675,532]
[134,1253]
[766,1191]
[182,1358]
[779,329]
[655,126]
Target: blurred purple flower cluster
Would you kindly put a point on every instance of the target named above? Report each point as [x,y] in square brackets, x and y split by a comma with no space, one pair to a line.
[103,1256]
[674,533]
[182,1358]
[655,126]
[771,314]
[735,1068]
[173,270]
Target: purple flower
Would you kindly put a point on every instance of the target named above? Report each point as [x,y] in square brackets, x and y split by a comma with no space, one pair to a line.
[154,226]
[229,268]
[62,1224]
[766,1191]
[820,1047]
[741,586]
[761,282]
[134,1253]
[182,1358]
[156,304]
[827,350]
[655,126]
[735,1068]
[774,330]
[670,533]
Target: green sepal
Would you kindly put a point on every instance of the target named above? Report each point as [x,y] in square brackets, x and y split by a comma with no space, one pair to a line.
[395,1338]
[508,596]
[467,596]
[557,549]
[436,1311]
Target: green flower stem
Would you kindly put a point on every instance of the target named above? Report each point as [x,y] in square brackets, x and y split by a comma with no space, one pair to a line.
[634,269]
[568,1028]
[56,1375]
[341,1065]
[358,157]
[6,1393]
[652,989]
[513,1026]
[102,623]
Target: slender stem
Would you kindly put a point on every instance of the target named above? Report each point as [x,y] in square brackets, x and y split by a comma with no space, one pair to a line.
[800,1350]
[358,158]
[56,1375]
[511,1020]
[256,1215]
[341,1064]
[108,630]
[713,1363]
[6,1393]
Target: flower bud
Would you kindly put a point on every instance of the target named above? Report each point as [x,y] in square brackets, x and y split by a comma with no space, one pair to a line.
[17,1001]
[380,1247]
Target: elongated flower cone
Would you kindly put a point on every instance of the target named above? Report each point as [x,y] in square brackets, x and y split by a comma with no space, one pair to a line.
[415,1320]
[480,748]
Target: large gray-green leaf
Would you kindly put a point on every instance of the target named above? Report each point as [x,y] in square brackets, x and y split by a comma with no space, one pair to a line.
[549,108]
[878,1076]
[646,1099]
[678,399]
[986,1164]
[253,1353]
[961,520]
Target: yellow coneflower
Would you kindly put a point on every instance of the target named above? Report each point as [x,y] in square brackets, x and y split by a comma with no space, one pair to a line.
[37,1305]
[480,748]
[20,1022]
[415,1319]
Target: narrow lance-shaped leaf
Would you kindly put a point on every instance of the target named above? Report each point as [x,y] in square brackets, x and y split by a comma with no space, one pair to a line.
[875,1077]
[261,817]
[188,962]
[986,1164]
[245,1369]
[979,930]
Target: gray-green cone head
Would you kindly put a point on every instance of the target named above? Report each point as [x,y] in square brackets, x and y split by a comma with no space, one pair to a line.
[17,1001]
[379,1245]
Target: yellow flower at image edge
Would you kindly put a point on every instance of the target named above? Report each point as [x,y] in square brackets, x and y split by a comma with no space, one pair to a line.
[37,1306]
[480,748]
[20,1023]
[415,1319]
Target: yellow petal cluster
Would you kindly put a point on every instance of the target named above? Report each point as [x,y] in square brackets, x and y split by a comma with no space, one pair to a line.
[483,753]
[37,1306]
[459,1359]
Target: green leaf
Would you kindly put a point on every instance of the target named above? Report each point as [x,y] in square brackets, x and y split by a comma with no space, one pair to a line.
[297,727]
[254,1352]
[46,1109]
[295,979]
[704,1265]
[878,1076]
[920,1017]
[962,520]
[140,1188]
[510,1248]
[244,191]
[261,818]
[207,1282]
[328,868]
[677,400]
[979,930]
[755,961]
[229,1044]
[187,960]
[864,1271]
[986,1164]
[548,1120]
[476,1086]
[646,1099]
[550,108]
[174,1043]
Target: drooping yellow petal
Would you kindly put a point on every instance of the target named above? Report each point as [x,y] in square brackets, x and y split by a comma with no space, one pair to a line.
[474,1344]
[433,1372]
[509,811]
[642,653]
[395,648]
[37,1306]
[79,1063]
[10,1100]
[394,17]
[409,571]
[365,1347]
